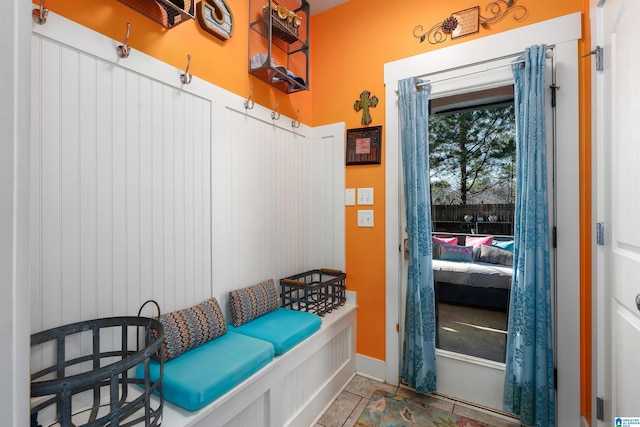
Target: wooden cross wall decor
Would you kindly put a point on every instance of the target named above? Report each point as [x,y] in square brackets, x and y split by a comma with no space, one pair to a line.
[365,102]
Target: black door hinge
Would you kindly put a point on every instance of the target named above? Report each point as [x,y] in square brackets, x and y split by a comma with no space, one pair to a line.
[600,234]
[554,87]
[600,409]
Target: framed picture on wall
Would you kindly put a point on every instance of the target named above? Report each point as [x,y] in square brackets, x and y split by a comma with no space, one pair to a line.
[468,22]
[364,146]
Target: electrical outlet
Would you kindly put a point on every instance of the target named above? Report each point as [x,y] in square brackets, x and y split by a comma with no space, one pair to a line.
[365,218]
[365,196]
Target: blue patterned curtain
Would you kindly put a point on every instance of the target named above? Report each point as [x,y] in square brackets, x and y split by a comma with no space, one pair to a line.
[419,352]
[529,390]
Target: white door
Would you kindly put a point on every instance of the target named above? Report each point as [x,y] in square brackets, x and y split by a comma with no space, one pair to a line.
[563,33]
[617,100]
[461,375]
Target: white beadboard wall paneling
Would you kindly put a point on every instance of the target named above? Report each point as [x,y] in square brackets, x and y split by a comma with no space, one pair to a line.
[331,184]
[267,200]
[88,195]
[317,158]
[261,200]
[117,188]
[51,261]
[145,198]
[144,188]
[132,165]
[325,161]
[69,183]
[121,190]
[254,415]
[35,200]
[301,385]
[88,153]
[104,198]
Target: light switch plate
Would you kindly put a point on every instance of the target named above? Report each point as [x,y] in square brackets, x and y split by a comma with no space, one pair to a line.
[365,196]
[365,218]
[349,196]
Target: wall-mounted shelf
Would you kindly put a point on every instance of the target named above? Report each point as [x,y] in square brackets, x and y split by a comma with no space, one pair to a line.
[279,45]
[164,12]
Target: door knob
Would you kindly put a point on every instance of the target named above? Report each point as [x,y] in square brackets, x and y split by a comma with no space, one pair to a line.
[638,301]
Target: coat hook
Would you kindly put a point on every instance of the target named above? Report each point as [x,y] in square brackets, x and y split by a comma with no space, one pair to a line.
[248,103]
[40,15]
[185,77]
[274,114]
[124,50]
[295,123]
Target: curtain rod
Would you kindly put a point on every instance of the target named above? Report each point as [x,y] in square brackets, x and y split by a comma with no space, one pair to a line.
[549,54]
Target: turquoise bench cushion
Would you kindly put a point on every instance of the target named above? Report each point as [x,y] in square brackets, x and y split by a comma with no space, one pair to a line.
[283,328]
[204,373]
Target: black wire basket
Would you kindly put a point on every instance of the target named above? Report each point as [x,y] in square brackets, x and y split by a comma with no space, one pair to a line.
[92,387]
[317,291]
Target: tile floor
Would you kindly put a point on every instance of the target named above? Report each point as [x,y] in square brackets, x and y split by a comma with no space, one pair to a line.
[346,409]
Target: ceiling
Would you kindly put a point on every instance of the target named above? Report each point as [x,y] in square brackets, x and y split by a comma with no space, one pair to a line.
[318,6]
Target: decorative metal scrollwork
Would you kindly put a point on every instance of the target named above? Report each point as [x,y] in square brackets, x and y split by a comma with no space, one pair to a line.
[499,10]
[435,35]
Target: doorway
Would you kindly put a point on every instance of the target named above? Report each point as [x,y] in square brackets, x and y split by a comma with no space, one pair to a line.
[472,295]
[478,55]
[472,163]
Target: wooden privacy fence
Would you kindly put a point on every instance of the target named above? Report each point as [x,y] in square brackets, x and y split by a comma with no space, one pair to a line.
[502,211]
[485,218]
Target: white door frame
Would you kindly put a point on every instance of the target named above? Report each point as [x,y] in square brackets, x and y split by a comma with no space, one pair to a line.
[601,310]
[563,33]
[615,319]
[15,33]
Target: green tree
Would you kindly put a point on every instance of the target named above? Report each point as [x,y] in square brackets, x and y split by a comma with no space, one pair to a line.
[473,150]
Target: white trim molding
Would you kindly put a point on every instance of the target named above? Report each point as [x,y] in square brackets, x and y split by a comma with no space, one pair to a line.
[370,367]
[563,33]
[15,32]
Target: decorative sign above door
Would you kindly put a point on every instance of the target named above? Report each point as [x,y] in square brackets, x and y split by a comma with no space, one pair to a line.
[468,21]
[216,18]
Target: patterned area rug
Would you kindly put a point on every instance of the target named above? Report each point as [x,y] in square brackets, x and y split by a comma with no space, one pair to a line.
[389,410]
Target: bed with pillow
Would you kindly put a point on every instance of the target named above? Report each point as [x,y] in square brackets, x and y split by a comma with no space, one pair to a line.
[473,270]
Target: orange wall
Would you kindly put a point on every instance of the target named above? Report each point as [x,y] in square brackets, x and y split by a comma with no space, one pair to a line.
[349,46]
[223,63]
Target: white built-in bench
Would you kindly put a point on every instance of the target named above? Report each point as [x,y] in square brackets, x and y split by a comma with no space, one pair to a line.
[293,389]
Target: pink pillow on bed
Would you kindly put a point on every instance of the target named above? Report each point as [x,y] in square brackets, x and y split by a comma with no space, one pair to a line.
[445,240]
[478,241]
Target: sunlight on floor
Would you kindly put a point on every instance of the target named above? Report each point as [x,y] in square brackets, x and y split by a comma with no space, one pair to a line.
[484,328]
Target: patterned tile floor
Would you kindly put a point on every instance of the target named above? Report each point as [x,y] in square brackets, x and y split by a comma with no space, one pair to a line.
[346,409]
